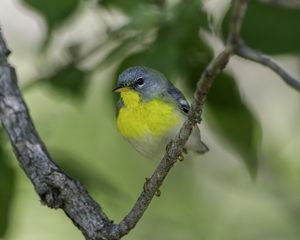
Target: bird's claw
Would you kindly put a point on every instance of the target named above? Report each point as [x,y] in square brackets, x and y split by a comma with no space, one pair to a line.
[181,154]
[157,193]
[180,157]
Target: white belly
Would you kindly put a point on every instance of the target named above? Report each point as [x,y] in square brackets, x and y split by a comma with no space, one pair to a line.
[153,147]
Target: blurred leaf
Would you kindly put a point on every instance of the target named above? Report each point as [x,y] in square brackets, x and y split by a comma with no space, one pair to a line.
[55,12]
[7,189]
[132,7]
[69,81]
[188,14]
[124,6]
[270,28]
[198,57]
[233,121]
[177,50]
[119,50]
[141,20]
[182,16]
[130,36]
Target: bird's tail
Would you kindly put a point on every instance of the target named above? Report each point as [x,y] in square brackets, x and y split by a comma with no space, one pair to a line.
[203,148]
[195,143]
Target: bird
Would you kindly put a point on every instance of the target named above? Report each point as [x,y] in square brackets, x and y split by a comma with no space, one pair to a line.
[150,112]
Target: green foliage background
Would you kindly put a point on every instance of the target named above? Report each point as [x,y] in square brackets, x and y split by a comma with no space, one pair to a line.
[246,187]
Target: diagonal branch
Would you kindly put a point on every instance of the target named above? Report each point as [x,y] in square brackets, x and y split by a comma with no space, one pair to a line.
[238,14]
[175,149]
[57,190]
[242,50]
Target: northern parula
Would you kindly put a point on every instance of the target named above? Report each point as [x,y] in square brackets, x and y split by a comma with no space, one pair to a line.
[151,111]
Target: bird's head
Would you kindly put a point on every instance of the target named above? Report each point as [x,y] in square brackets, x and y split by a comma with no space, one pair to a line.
[147,82]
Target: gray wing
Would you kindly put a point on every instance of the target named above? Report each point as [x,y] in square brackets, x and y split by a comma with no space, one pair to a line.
[175,95]
[194,143]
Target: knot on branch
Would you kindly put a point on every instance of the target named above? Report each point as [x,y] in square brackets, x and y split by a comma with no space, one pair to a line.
[52,194]
[235,42]
[52,197]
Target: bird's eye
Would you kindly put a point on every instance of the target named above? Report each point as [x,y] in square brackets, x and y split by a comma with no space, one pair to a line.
[140,82]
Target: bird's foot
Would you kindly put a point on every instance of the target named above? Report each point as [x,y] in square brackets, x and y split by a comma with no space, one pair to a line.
[180,157]
[157,193]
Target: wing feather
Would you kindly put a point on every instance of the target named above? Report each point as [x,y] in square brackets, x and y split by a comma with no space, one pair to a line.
[177,96]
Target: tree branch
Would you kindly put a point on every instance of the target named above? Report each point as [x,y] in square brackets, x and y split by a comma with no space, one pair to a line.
[238,13]
[242,50]
[174,151]
[57,190]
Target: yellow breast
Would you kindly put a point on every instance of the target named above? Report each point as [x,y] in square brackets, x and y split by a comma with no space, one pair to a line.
[137,119]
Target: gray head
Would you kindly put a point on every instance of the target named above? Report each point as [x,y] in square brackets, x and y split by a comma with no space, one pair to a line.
[148,82]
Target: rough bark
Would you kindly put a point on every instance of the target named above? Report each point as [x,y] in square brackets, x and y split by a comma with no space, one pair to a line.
[58,190]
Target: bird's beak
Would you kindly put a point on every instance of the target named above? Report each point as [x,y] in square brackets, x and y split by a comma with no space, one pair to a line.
[121,88]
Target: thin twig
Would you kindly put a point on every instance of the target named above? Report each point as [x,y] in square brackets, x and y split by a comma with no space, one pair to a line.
[58,190]
[256,56]
[242,50]
[176,147]
[238,13]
